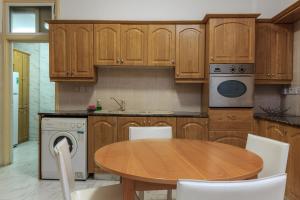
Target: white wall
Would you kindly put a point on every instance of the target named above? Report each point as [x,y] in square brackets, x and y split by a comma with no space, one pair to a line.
[269,8]
[150,9]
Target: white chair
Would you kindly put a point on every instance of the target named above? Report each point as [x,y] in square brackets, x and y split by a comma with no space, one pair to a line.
[113,192]
[273,153]
[271,188]
[151,132]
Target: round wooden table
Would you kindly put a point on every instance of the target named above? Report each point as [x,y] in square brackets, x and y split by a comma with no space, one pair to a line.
[159,164]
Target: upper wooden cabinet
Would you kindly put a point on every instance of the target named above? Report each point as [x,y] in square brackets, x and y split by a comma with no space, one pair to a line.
[161,45]
[107,44]
[190,52]
[71,52]
[274,53]
[231,40]
[134,44]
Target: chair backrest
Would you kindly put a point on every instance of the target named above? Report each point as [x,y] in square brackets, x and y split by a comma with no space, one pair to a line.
[65,168]
[271,188]
[153,132]
[273,153]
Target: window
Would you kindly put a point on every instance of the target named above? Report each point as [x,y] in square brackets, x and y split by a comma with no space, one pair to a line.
[29,19]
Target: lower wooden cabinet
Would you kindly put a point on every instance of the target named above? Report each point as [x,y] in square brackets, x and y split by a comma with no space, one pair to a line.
[291,135]
[236,138]
[102,131]
[192,128]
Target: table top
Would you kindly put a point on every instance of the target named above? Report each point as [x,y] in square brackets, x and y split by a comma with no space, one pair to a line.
[165,161]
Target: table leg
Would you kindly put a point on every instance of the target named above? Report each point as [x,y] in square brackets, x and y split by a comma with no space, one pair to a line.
[128,189]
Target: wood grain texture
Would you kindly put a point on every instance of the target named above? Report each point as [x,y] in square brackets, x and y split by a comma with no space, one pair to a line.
[134,44]
[163,121]
[230,119]
[107,44]
[161,45]
[102,131]
[192,128]
[81,50]
[166,161]
[274,53]
[190,52]
[125,122]
[235,138]
[231,40]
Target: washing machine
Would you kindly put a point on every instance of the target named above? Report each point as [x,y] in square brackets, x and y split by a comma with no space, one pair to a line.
[54,130]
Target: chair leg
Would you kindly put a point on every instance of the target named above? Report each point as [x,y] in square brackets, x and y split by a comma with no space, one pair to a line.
[141,195]
[169,195]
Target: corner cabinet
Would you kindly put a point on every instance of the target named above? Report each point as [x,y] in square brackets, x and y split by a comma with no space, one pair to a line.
[190,53]
[71,52]
[231,40]
[291,135]
[274,53]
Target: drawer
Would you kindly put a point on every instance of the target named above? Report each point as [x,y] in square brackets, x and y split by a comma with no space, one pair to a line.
[230,119]
[235,138]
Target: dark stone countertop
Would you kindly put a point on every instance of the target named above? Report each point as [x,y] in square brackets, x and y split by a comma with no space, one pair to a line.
[291,120]
[83,113]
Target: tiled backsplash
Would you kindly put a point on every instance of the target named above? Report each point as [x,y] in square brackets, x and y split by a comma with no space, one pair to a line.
[142,89]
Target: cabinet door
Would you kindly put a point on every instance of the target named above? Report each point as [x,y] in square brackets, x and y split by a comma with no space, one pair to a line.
[161,45]
[102,131]
[231,40]
[282,52]
[59,58]
[263,51]
[190,51]
[134,40]
[236,138]
[163,121]
[125,122]
[107,44]
[293,170]
[260,128]
[81,50]
[276,131]
[192,128]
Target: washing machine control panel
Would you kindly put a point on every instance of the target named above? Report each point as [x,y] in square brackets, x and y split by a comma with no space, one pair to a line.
[65,124]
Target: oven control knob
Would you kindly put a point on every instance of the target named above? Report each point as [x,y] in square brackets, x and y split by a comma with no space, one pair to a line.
[232,69]
[242,70]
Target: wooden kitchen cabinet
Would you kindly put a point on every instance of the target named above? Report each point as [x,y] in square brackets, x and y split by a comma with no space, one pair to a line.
[125,122]
[71,52]
[274,53]
[101,131]
[134,44]
[190,53]
[291,135]
[161,45]
[192,128]
[230,126]
[231,40]
[236,138]
[107,44]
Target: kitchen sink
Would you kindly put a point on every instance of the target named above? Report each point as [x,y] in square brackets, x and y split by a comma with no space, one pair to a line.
[134,112]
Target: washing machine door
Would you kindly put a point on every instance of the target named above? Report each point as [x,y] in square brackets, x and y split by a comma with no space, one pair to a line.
[57,137]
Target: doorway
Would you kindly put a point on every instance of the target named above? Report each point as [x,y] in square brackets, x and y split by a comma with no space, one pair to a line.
[35,91]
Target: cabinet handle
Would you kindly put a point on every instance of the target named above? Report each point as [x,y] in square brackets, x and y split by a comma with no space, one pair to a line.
[232,117]
[118,60]
[122,61]
[149,122]
[173,62]
[212,58]
[145,122]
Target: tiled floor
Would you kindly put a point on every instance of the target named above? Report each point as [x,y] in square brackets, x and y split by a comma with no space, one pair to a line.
[19,181]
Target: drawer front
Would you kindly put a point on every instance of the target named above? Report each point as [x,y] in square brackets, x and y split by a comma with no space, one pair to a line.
[235,138]
[229,119]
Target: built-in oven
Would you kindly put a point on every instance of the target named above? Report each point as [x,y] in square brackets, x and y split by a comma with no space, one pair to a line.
[231,85]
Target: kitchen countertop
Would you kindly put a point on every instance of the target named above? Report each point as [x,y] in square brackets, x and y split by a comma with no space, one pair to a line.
[83,113]
[291,120]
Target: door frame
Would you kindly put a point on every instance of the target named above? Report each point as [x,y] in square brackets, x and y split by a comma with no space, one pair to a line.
[6,75]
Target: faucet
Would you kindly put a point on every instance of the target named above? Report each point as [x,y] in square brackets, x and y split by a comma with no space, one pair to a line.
[121,103]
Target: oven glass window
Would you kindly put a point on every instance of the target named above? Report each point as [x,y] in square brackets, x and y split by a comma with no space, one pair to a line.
[232,88]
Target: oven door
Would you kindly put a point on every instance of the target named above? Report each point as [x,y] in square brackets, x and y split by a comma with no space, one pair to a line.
[229,90]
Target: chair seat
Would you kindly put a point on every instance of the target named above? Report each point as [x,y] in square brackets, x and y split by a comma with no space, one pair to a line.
[111,192]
